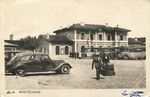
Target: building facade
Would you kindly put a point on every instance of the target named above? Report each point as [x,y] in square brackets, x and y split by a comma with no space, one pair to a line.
[55,45]
[89,35]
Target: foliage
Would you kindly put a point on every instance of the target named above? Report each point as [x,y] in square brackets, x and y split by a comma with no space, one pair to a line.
[28,43]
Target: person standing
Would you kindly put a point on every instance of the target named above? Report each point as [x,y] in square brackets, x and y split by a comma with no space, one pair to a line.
[105,59]
[97,61]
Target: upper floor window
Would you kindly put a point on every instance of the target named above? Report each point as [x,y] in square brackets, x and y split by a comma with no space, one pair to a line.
[82,36]
[100,36]
[121,37]
[108,37]
[92,36]
[77,35]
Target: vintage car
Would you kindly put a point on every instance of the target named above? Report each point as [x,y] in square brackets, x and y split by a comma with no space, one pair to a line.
[22,63]
[132,53]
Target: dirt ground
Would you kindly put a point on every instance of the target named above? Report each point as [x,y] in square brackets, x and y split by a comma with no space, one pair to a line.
[129,74]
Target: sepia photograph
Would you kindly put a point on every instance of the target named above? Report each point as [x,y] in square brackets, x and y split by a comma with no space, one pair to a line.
[77,44]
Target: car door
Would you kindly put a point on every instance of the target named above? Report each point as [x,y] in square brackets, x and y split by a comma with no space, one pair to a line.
[46,63]
[35,64]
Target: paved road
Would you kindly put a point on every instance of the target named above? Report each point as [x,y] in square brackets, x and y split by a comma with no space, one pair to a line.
[129,74]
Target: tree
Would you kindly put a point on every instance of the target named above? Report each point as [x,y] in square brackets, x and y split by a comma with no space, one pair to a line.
[28,43]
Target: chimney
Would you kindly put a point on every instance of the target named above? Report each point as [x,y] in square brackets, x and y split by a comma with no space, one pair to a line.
[68,26]
[47,35]
[11,36]
[117,25]
[106,24]
[60,27]
[82,23]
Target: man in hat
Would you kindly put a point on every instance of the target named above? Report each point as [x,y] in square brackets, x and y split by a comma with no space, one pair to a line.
[97,61]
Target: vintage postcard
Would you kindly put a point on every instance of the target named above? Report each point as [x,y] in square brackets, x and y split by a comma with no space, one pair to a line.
[74,48]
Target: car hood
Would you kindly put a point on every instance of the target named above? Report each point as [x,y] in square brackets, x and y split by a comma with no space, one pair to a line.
[58,62]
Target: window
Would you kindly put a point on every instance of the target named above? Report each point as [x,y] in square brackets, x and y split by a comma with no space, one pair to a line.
[108,37]
[44,57]
[92,36]
[57,50]
[82,48]
[82,36]
[100,36]
[37,57]
[24,58]
[66,50]
[121,37]
[77,35]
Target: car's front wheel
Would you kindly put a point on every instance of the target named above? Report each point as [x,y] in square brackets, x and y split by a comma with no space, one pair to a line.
[20,72]
[65,69]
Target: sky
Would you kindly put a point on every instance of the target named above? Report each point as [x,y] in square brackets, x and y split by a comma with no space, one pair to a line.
[33,17]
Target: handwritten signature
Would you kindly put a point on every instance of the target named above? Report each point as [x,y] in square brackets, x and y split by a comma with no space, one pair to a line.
[133,93]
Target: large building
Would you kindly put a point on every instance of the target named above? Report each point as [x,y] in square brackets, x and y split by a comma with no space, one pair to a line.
[77,37]
[89,35]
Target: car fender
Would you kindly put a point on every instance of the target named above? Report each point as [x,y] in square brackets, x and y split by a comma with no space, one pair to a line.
[58,67]
[19,65]
[126,54]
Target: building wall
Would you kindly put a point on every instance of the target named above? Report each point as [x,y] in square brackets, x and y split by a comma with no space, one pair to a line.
[123,43]
[52,49]
[86,34]
[124,36]
[79,44]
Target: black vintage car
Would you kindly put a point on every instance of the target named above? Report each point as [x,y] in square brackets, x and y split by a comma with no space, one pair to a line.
[22,63]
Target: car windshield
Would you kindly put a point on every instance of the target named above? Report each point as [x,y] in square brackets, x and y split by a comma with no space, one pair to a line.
[13,59]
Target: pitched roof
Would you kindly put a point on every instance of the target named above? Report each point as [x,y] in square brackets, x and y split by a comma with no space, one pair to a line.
[57,39]
[92,27]
[10,44]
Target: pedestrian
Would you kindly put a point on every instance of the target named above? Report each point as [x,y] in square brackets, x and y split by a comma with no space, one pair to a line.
[97,61]
[73,55]
[70,55]
[105,59]
[77,54]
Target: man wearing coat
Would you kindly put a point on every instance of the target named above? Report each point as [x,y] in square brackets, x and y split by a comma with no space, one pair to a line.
[97,61]
[105,59]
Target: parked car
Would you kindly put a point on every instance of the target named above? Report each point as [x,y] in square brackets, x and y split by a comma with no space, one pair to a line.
[22,63]
[132,53]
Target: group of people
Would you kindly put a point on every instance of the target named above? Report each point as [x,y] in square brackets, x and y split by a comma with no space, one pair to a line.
[100,61]
[74,55]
